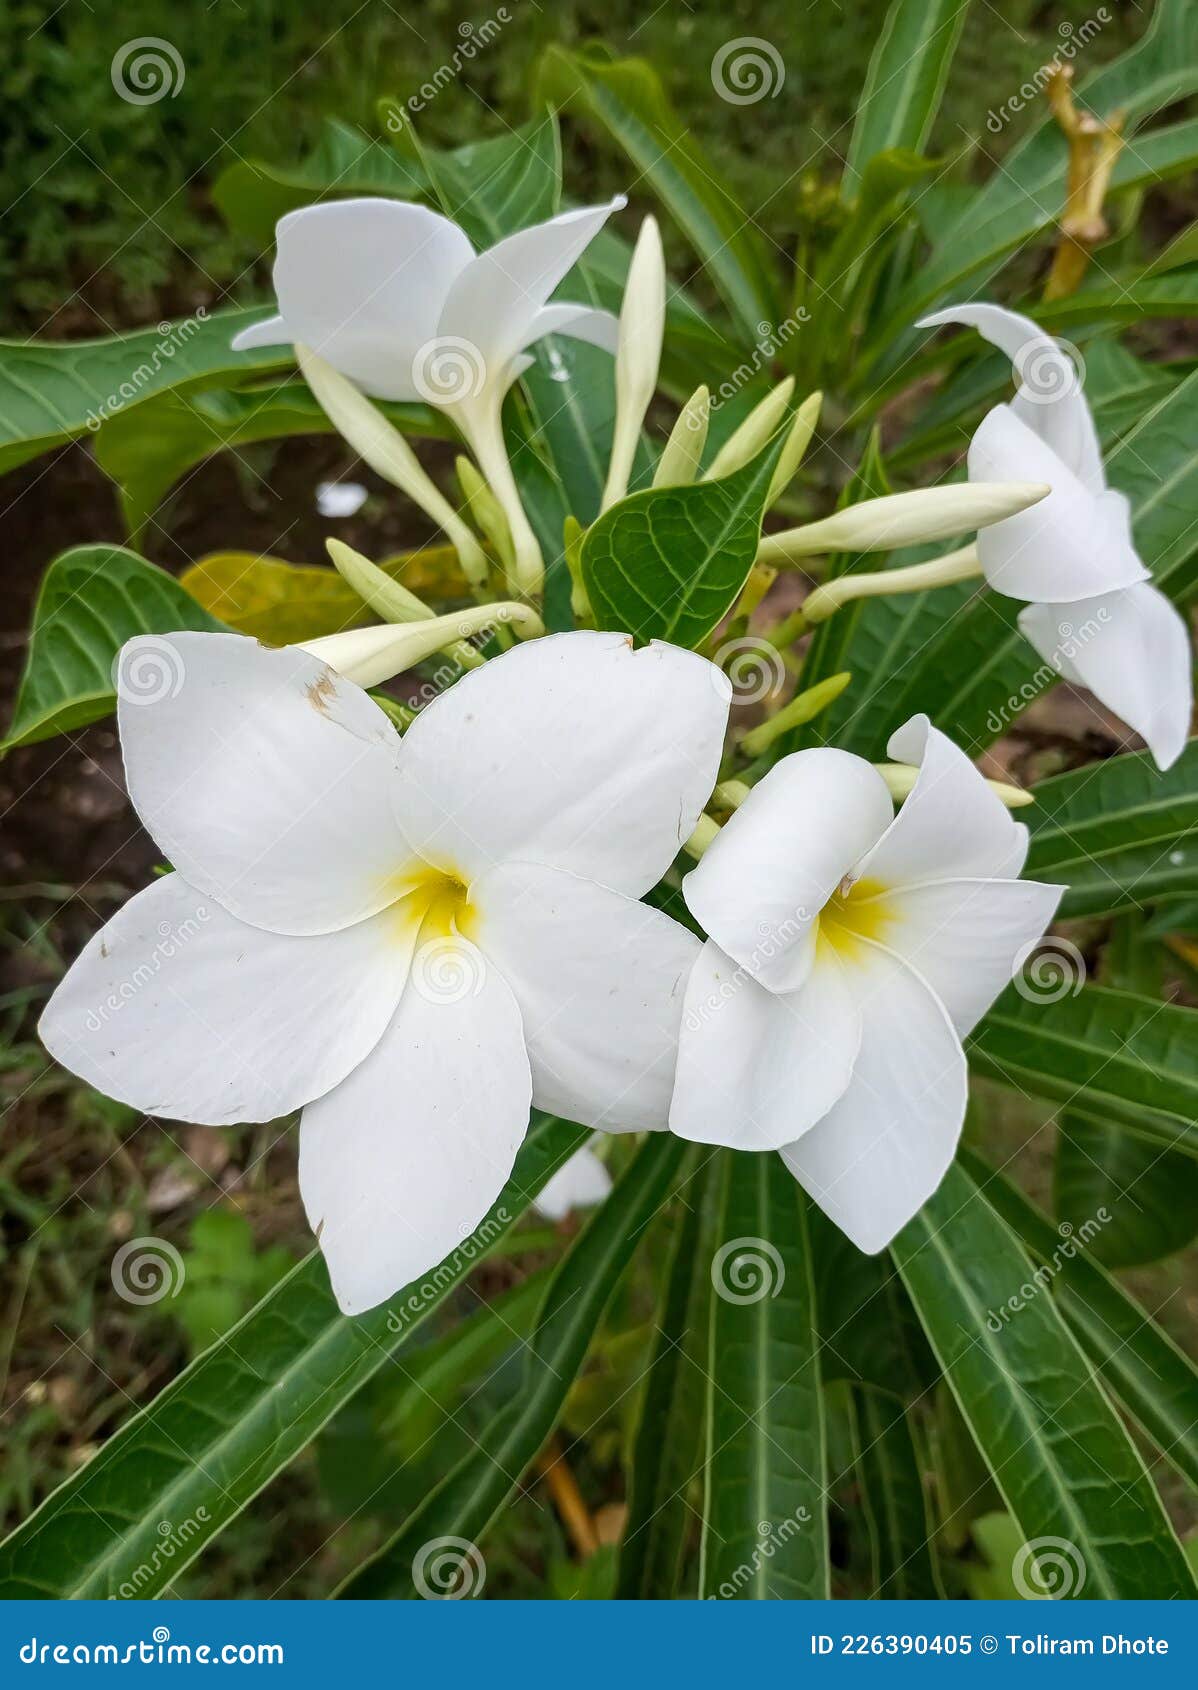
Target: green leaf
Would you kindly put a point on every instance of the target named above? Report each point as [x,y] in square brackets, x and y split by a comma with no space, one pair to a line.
[92,599]
[252,195]
[495,187]
[1059,1454]
[1026,197]
[907,72]
[765,1523]
[1150,1194]
[53,391]
[1126,1057]
[893,1502]
[668,1451]
[869,1333]
[235,1418]
[626,97]
[147,450]
[1119,833]
[1137,1361]
[668,563]
[464,1505]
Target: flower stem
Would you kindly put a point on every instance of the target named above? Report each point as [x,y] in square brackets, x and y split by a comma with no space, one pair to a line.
[961,565]
[802,708]
[483,429]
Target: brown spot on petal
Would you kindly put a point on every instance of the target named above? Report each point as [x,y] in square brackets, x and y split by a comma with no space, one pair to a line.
[320,692]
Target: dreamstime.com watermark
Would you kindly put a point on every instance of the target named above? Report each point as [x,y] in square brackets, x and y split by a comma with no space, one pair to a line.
[747,70]
[1048,1569]
[771,338]
[174,1539]
[771,941]
[1073,39]
[449,1569]
[173,937]
[172,338]
[745,1270]
[448,1272]
[770,1538]
[1073,1242]
[1071,641]
[474,38]
[145,1270]
[155,1651]
[146,70]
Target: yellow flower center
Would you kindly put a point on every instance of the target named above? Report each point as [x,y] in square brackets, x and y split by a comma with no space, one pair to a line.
[858,910]
[434,901]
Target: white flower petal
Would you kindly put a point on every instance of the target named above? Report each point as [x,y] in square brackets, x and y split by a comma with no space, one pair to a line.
[881,1151]
[1068,546]
[580,322]
[965,937]
[951,825]
[574,751]
[599,979]
[264,777]
[1132,650]
[401,1162]
[759,887]
[1050,398]
[493,302]
[755,1068]
[272,331]
[580,1183]
[183,1011]
[362,282]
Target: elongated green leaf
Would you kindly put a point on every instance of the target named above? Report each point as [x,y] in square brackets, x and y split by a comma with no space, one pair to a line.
[253,195]
[666,564]
[765,1524]
[627,99]
[465,1504]
[1126,1057]
[494,187]
[92,599]
[53,391]
[869,1333]
[906,77]
[1138,1362]
[234,1419]
[893,1502]
[668,1452]
[1027,195]
[1150,1194]
[146,451]
[1118,834]
[1058,1452]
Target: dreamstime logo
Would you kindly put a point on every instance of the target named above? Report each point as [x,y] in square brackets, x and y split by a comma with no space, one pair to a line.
[448,971]
[148,672]
[1073,1240]
[1048,1569]
[446,1274]
[174,1540]
[1049,373]
[447,370]
[145,1270]
[747,70]
[747,1269]
[1072,40]
[771,338]
[146,70]
[446,1569]
[472,38]
[171,337]
[1071,642]
[755,670]
[770,1538]
[1049,969]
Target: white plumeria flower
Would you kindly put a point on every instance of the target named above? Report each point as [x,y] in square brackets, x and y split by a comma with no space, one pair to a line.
[580,1183]
[395,297]
[1094,614]
[851,951]
[412,938]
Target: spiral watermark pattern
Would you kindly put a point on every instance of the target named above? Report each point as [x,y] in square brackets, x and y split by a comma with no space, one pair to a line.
[747,70]
[147,671]
[147,70]
[1048,373]
[446,970]
[449,369]
[145,1270]
[446,1569]
[755,669]
[1049,969]
[1048,1569]
[747,1269]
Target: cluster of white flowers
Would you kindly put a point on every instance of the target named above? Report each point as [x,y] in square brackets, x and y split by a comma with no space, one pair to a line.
[417,940]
